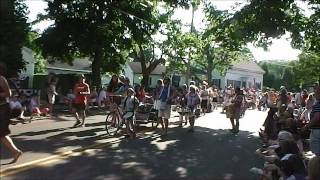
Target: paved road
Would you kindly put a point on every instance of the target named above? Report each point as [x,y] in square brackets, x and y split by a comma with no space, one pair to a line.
[52,150]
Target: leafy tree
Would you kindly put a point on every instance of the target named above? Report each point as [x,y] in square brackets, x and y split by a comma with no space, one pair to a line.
[260,21]
[288,78]
[103,30]
[307,68]
[13,31]
[279,73]
[220,46]
[96,29]
[31,43]
[312,28]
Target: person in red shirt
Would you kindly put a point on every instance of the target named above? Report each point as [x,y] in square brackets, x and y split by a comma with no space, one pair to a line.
[81,91]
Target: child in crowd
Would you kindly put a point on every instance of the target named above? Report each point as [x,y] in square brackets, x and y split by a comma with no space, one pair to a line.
[193,100]
[17,109]
[129,106]
[282,160]
[35,107]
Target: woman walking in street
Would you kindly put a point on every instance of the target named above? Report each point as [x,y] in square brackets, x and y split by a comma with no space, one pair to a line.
[235,109]
[5,93]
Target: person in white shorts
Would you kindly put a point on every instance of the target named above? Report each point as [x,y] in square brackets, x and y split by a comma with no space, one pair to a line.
[166,99]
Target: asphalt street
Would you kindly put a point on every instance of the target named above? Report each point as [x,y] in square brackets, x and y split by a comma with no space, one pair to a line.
[55,151]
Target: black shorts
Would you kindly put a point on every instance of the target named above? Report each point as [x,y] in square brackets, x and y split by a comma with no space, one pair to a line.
[215,99]
[204,104]
[79,107]
[4,120]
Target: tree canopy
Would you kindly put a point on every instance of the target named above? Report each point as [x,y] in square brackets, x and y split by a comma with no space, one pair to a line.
[307,69]
[111,32]
[13,32]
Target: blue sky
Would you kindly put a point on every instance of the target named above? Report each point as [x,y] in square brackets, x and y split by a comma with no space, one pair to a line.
[280,49]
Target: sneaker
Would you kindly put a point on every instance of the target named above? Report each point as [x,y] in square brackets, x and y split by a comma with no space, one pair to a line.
[77,124]
[256,171]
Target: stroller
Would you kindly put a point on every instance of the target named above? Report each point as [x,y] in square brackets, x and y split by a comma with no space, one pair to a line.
[146,113]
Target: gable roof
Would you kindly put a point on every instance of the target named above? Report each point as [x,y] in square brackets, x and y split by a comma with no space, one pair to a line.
[136,68]
[248,66]
[82,65]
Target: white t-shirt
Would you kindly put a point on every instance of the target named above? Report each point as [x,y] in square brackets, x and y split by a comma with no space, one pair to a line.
[130,103]
[15,105]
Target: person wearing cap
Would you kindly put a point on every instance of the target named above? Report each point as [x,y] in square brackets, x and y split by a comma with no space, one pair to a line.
[81,91]
[129,106]
[315,123]
[166,98]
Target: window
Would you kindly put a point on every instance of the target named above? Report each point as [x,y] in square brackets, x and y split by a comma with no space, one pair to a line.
[229,83]
[244,84]
[237,84]
[258,85]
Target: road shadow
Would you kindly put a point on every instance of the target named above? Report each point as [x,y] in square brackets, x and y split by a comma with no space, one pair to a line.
[204,154]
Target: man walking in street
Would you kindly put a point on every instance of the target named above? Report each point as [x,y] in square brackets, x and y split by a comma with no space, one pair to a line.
[166,99]
[81,91]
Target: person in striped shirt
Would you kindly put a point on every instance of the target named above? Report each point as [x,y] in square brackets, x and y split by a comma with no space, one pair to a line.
[315,124]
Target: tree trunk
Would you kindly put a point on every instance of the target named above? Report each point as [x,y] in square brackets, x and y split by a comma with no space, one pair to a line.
[210,64]
[209,70]
[96,68]
[145,80]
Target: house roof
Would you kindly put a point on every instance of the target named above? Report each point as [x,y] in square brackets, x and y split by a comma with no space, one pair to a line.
[78,66]
[248,66]
[136,68]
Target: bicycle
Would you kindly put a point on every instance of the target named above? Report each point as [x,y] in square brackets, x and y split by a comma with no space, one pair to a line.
[114,121]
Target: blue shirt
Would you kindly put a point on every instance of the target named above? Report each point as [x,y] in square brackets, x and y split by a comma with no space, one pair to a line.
[164,94]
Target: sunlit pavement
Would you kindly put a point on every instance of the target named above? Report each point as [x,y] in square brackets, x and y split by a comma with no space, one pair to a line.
[53,150]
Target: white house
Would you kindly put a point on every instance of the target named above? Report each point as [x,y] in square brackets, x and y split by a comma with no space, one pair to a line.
[133,71]
[28,72]
[247,74]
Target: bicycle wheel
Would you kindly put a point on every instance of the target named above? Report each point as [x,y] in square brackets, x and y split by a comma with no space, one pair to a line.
[112,124]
